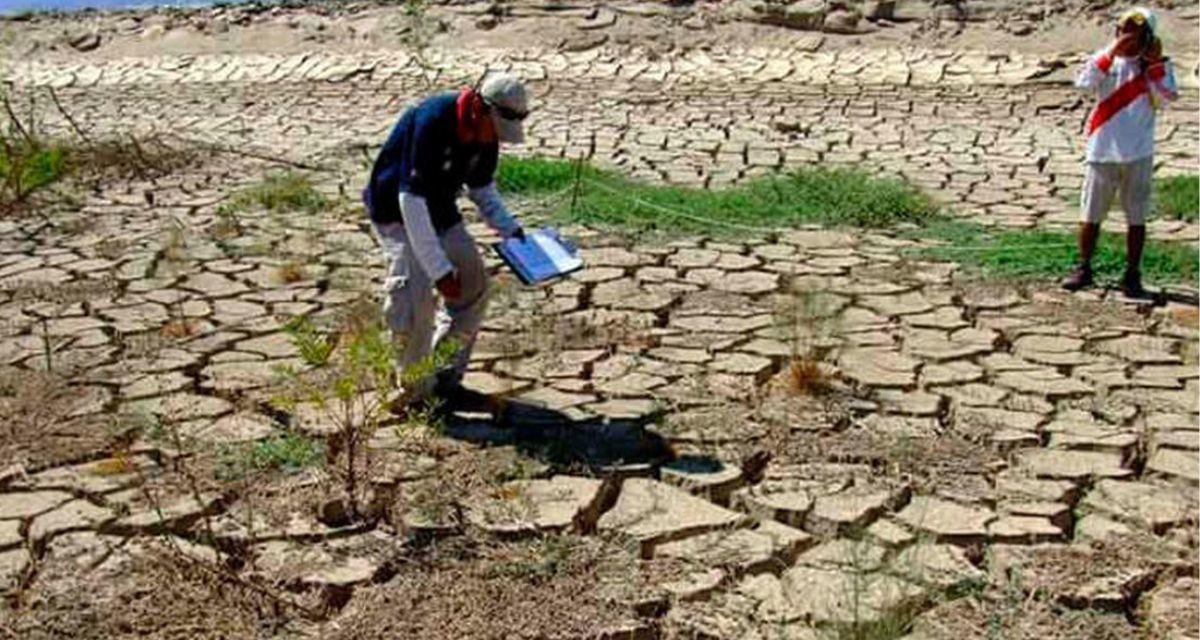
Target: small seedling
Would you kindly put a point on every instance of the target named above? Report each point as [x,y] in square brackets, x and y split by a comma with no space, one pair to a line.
[352,381]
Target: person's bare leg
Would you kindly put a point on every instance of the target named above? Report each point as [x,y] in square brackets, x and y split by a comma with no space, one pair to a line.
[1081,276]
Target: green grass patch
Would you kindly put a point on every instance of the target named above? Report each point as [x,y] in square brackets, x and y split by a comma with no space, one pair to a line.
[1177,198]
[830,197]
[27,167]
[280,192]
[1015,253]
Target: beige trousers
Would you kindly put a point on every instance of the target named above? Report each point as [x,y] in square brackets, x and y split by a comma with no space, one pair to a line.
[411,309]
[1104,181]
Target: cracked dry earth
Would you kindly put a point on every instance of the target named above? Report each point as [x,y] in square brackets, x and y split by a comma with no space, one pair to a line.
[950,458]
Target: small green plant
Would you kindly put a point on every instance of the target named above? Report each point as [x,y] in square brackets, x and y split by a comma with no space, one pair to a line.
[1177,197]
[848,197]
[349,381]
[314,347]
[28,166]
[543,560]
[278,193]
[352,382]
[289,452]
[227,224]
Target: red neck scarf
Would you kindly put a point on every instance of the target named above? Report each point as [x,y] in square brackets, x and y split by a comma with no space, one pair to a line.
[475,125]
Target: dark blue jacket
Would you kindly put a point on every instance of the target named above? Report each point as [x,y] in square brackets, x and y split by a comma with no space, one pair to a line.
[424,157]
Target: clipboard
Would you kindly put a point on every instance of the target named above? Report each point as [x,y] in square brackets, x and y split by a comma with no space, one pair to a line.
[542,256]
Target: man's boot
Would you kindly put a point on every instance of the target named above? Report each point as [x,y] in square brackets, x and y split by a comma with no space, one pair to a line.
[455,397]
[1131,282]
[1081,276]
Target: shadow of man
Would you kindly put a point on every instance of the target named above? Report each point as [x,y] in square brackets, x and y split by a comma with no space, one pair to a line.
[592,445]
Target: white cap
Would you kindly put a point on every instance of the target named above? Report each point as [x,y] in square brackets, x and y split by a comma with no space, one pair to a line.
[1147,17]
[505,95]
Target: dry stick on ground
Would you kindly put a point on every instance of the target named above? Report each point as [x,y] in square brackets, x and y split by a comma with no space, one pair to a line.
[221,148]
[14,120]
[215,569]
[70,120]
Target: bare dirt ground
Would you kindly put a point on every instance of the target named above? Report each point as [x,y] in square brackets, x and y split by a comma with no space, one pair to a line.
[804,433]
[1029,26]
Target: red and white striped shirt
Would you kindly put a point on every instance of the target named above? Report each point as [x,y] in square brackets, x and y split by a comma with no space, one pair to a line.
[1121,126]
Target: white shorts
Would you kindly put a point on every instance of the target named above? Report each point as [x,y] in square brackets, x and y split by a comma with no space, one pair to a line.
[1104,180]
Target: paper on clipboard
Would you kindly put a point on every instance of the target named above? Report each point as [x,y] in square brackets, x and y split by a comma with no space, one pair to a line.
[543,255]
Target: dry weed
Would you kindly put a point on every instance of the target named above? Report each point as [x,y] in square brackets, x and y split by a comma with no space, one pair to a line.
[179,328]
[947,461]
[154,594]
[547,588]
[1061,571]
[806,377]
[1018,618]
[36,424]
[291,272]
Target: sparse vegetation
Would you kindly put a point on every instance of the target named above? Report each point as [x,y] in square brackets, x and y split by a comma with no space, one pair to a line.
[568,587]
[1011,253]
[156,592]
[840,197]
[277,193]
[1177,197]
[287,452]
[808,320]
[33,166]
[351,381]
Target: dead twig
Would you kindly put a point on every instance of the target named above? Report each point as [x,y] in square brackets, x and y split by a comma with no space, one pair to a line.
[16,121]
[70,119]
[220,148]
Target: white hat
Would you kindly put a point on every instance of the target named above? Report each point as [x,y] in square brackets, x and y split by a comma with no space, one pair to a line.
[1141,15]
[508,101]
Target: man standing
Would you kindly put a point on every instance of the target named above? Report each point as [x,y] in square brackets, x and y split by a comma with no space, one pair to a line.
[439,145]
[1131,79]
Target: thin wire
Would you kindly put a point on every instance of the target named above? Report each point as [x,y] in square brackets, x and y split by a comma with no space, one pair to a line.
[682,214]
[734,225]
[984,247]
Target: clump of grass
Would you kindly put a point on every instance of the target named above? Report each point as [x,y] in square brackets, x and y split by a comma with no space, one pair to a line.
[28,166]
[1177,197]
[279,192]
[835,197]
[1014,253]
